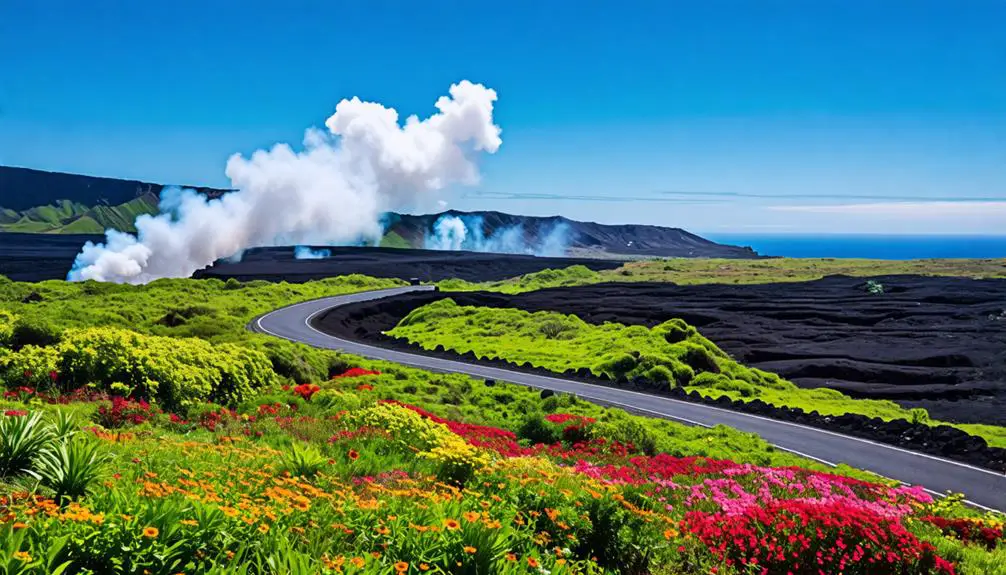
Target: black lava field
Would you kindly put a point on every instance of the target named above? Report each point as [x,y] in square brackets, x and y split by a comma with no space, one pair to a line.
[938,343]
[40,257]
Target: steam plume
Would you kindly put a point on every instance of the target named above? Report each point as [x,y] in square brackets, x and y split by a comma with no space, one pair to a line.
[467,233]
[306,253]
[332,191]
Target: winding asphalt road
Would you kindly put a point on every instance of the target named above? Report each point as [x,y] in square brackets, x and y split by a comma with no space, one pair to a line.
[983,488]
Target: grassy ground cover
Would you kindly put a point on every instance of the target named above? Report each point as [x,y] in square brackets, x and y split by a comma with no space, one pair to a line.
[672,353]
[144,430]
[686,271]
[387,469]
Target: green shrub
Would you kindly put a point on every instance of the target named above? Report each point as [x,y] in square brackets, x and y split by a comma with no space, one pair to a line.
[660,374]
[626,432]
[22,439]
[176,372]
[33,331]
[617,365]
[70,467]
[536,430]
[7,321]
[303,461]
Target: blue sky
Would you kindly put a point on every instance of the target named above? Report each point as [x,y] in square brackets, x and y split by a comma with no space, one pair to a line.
[716,116]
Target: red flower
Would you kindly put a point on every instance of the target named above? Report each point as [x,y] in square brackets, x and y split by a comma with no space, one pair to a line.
[356,372]
[306,390]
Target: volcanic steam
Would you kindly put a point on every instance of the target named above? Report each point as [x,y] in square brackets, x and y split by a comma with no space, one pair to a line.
[333,191]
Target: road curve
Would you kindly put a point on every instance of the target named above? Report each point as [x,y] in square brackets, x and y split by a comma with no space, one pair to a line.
[983,488]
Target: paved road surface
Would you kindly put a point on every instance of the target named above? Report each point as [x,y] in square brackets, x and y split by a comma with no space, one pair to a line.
[983,488]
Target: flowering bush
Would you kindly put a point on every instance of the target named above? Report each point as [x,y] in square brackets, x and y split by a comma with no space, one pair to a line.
[969,530]
[120,411]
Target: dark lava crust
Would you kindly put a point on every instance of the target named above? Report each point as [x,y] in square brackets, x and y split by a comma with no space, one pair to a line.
[938,343]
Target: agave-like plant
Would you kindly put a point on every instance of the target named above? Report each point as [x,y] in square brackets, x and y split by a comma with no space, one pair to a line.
[303,461]
[70,466]
[65,425]
[23,438]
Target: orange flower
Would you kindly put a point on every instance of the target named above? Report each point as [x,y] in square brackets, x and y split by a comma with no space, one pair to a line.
[670,534]
[532,562]
[470,550]
[22,556]
[150,532]
[189,522]
[382,530]
[451,524]
[424,567]
[401,567]
[375,554]
[19,525]
[353,455]
[511,557]
[471,516]
[357,561]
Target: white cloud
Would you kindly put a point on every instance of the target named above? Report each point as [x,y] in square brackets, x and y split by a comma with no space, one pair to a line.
[937,209]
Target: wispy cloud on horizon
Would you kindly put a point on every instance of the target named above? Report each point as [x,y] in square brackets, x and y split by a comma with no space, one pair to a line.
[911,209]
[700,198]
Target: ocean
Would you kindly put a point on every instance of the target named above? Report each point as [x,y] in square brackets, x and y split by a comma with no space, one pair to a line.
[899,247]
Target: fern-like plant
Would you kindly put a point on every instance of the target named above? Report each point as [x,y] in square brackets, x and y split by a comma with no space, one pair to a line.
[70,467]
[23,438]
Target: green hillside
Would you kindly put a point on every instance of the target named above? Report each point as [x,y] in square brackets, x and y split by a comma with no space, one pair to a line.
[66,217]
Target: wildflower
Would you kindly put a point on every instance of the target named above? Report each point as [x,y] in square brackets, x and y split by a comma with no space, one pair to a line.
[471,516]
[424,567]
[375,554]
[189,522]
[670,534]
[150,532]
[19,525]
[22,556]
[470,550]
[401,567]
[353,455]
[263,528]
[382,530]
[357,562]
[451,524]
[532,562]
[511,557]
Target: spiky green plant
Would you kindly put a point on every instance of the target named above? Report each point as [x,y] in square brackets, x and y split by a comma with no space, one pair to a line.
[22,439]
[303,461]
[70,467]
[65,425]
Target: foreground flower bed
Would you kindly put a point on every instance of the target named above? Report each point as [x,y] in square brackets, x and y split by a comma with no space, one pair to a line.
[334,479]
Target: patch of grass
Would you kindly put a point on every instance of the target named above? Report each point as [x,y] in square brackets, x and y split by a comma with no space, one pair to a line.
[672,352]
[689,271]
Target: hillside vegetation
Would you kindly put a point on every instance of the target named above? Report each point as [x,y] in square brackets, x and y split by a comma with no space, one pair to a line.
[144,430]
[689,271]
[670,354]
[386,469]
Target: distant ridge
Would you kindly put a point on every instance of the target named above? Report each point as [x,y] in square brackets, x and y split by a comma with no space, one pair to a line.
[36,201]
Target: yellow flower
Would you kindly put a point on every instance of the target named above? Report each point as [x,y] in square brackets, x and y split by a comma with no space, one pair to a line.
[263,528]
[150,532]
[470,550]
[451,524]
[189,522]
[22,556]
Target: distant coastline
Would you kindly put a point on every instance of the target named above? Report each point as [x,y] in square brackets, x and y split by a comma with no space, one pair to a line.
[869,246]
